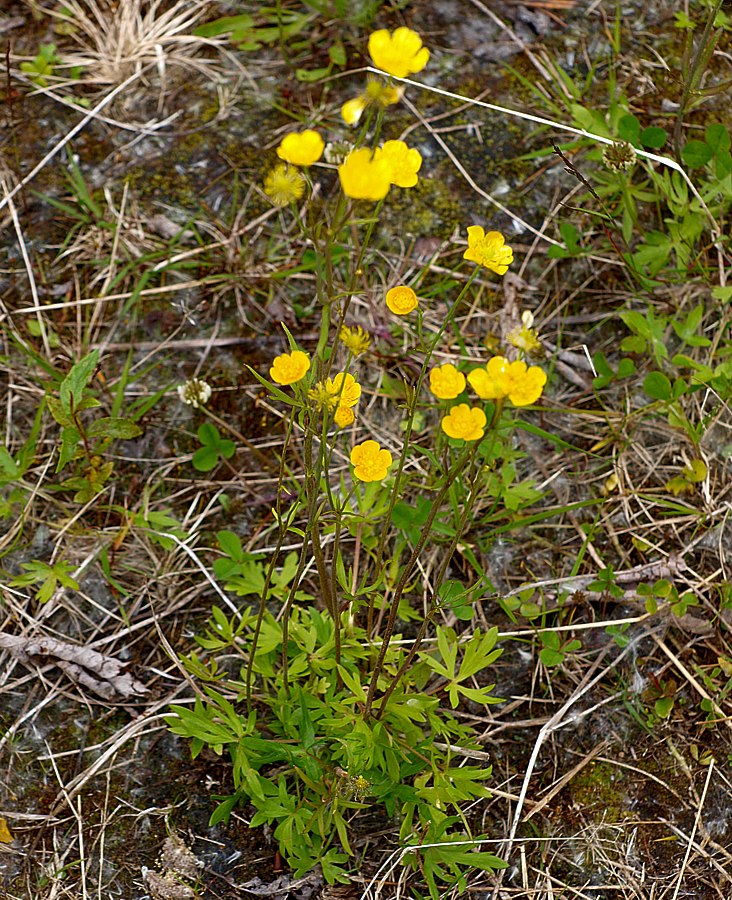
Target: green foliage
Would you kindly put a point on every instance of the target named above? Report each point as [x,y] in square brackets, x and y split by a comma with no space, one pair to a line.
[41,67]
[81,441]
[663,593]
[307,760]
[554,650]
[477,655]
[245,573]
[271,25]
[213,447]
[49,577]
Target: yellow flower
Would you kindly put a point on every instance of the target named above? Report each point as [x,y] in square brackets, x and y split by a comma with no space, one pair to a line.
[322,397]
[489,250]
[352,110]
[405,162]
[284,185]
[401,300]
[370,461]
[301,148]
[375,93]
[400,53]
[344,416]
[500,378]
[364,177]
[465,422]
[446,382]
[344,389]
[525,338]
[289,367]
[355,339]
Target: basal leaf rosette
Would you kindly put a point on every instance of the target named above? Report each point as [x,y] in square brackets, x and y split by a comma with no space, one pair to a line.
[500,379]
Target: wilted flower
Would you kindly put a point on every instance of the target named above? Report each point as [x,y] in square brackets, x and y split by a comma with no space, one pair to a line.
[619,156]
[363,176]
[401,300]
[194,392]
[355,339]
[400,53]
[375,93]
[525,338]
[370,461]
[289,367]
[301,148]
[284,185]
[500,379]
[405,162]
[465,422]
[489,250]
[446,382]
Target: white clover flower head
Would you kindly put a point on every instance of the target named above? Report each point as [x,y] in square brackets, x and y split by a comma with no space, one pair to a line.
[194,392]
[337,151]
[619,156]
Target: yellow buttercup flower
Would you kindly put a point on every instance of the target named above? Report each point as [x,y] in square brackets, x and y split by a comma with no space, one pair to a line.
[400,53]
[365,177]
[301,148]
[375,93]
[370,461]
[284,185]
[355,339]
[489,250]
[405,162]
[401,300]
[344,389]
[344,416]
[499,379]
[465,422]
[446,382]
[352,110]
[289,367]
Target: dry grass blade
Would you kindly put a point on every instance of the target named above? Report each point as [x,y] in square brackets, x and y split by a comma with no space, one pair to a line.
[117,40]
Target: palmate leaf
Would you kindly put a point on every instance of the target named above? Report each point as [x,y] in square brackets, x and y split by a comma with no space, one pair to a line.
[478,654]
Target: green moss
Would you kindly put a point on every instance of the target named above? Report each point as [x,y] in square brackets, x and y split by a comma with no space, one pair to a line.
[598,791]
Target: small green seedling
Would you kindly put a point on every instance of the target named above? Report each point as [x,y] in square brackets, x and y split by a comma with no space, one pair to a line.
[213,447]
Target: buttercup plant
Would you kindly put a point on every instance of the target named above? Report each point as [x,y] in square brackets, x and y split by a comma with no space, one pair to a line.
[453,431]
[339,699]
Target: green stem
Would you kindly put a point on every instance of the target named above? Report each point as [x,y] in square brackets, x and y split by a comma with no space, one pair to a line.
[407,570]
[467,510]
[408,432]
